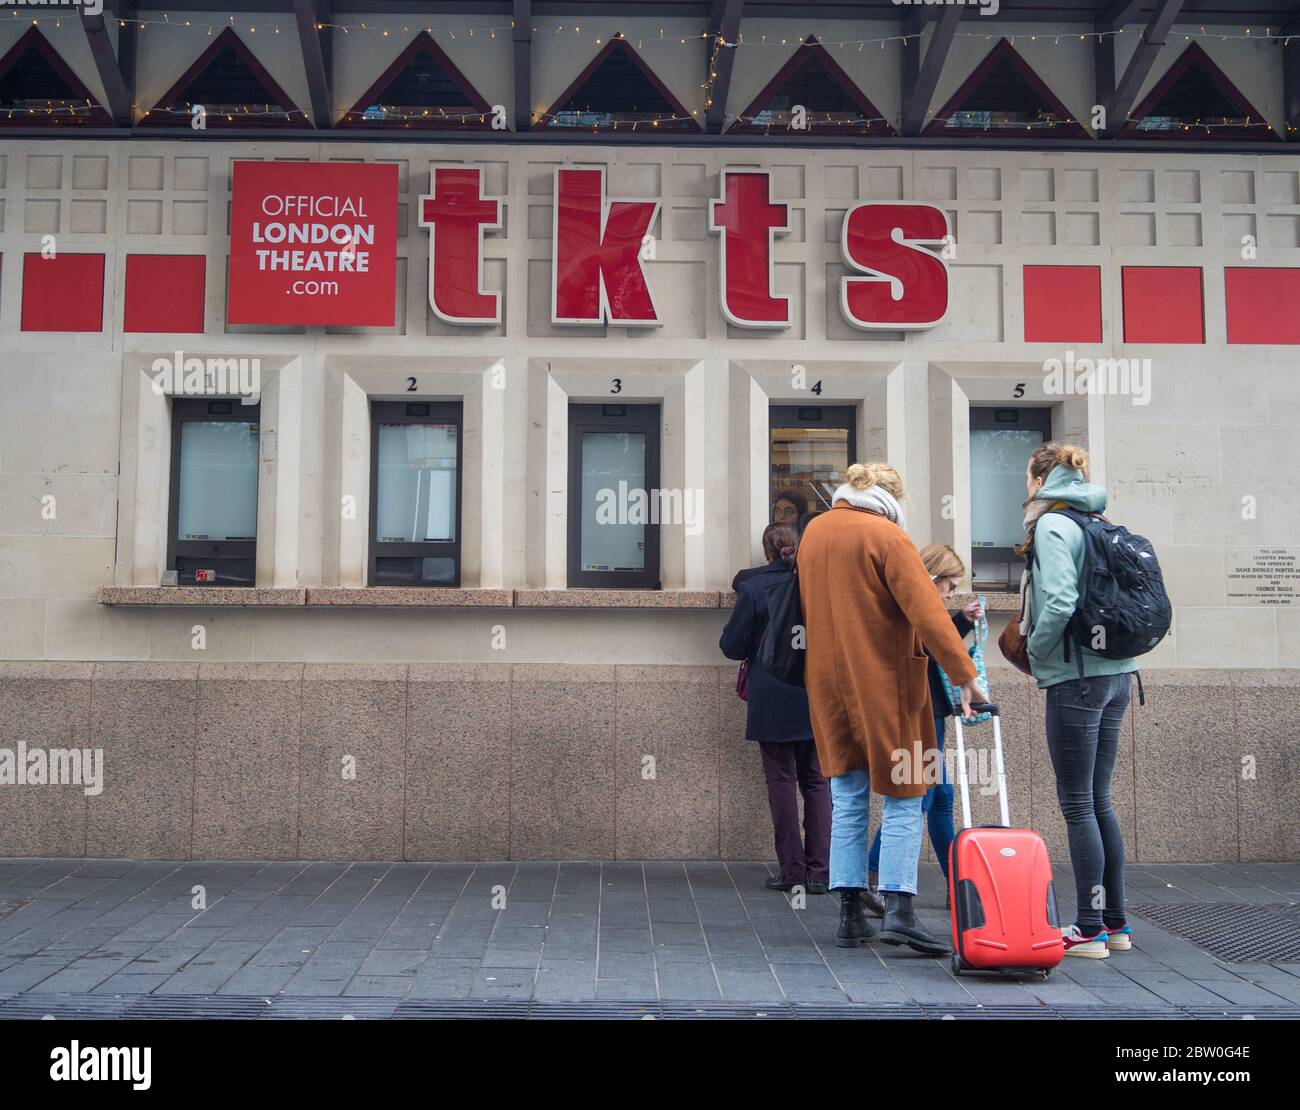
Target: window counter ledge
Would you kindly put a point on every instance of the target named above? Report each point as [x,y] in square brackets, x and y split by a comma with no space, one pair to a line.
[425,597]
[584,598]
[994,602]
[205,596]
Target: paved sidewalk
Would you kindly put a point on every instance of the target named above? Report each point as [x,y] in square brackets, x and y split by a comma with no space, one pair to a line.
[387,934]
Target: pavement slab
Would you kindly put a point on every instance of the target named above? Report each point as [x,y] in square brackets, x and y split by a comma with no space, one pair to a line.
[660,931]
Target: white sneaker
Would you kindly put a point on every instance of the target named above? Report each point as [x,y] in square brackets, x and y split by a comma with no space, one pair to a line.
[1092,948]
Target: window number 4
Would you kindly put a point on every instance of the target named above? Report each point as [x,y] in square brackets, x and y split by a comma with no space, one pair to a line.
[817,388]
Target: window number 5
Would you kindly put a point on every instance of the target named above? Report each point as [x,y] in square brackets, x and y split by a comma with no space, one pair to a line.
[1020,390]
[410,388]
[617,386]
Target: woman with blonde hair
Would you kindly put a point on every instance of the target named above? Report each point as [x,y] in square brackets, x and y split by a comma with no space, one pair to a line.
[1087,697]
[946,571]
[869,609]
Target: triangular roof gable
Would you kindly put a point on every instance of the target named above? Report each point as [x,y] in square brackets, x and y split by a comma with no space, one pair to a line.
[1005,53]
[30,40]
[619,45]
[1195,57]
[423,43]
[813,52]
[160,116]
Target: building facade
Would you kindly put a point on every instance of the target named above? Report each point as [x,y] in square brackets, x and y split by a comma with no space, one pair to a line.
[512,682]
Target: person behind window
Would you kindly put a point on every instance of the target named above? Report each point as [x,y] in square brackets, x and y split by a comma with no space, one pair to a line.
[788,507]
[1084,714]
[946,571]
[778,719]
[869,606]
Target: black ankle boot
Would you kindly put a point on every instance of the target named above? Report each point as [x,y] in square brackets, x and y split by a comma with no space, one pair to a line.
[901,927]
[874,903]
[854,929]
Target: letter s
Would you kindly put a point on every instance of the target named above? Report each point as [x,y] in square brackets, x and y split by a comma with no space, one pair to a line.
[906,286]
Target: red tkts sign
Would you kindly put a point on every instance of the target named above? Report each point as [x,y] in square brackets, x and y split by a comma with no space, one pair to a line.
[603,251]
[313,243]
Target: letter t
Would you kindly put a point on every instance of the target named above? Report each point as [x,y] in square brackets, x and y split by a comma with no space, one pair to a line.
[457,215]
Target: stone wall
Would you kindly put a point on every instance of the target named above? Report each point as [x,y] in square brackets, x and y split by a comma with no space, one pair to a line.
[529,761]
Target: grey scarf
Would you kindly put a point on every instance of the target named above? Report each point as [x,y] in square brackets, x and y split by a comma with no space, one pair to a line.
[1033,511]
[873,499]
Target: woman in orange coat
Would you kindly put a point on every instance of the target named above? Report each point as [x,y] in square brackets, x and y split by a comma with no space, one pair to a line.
[868,607]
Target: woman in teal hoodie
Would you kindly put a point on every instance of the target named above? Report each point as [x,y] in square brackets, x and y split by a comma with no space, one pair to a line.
[1084,715]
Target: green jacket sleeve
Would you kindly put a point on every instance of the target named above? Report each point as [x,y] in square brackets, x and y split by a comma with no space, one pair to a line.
[1055,578]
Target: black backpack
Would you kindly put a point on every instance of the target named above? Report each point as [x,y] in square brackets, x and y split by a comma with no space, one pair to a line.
[1123,610]
[781,649]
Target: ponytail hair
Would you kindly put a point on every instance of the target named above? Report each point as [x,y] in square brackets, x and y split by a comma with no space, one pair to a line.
[1051,455]
[780,541]
[862,476]
[1041,463]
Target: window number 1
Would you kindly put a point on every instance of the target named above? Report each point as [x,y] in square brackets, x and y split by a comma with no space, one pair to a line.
[617,387]
[411,386]
[1020,390]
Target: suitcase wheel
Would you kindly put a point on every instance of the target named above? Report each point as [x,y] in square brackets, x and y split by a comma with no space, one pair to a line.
[1046,974]
[957,964]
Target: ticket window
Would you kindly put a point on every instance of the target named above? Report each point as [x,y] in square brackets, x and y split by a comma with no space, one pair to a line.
[614,497]
[415,501]
[1001,441]
[212,534]
[811,448]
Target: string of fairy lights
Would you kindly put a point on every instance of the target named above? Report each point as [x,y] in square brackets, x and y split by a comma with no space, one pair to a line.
[576,119]
[663,35]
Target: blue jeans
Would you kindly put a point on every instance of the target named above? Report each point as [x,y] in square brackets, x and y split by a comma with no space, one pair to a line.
[937,807]
[1083,724]
[900,843]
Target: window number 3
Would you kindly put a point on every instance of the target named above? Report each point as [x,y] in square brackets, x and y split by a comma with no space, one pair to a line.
[617,386]
[411,386]
[1020,390]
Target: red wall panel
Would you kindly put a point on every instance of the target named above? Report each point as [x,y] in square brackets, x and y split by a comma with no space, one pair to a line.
[1263,304]
[63,293]
[1163,304]
[164,292]
[1062,304]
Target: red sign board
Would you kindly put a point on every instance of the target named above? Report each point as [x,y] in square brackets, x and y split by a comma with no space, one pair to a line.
[313,243]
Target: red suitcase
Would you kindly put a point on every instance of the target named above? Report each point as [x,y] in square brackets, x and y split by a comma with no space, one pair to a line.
[1000,882]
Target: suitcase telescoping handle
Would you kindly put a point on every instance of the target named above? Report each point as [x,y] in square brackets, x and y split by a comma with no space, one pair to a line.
[963,778]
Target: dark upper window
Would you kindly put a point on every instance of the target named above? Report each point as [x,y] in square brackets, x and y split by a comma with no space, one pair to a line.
[212,537]
[415,467]
[1001,441]
[618,90]
[811,448]
[614,496]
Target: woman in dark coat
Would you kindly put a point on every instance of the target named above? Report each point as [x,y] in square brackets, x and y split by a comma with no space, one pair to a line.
[778,720]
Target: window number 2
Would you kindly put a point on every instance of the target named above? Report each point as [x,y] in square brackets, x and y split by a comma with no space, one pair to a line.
[1020,390]
[617,386]
[410,388]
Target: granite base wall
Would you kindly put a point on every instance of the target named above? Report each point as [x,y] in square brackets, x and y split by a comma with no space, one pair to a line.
[572,761]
